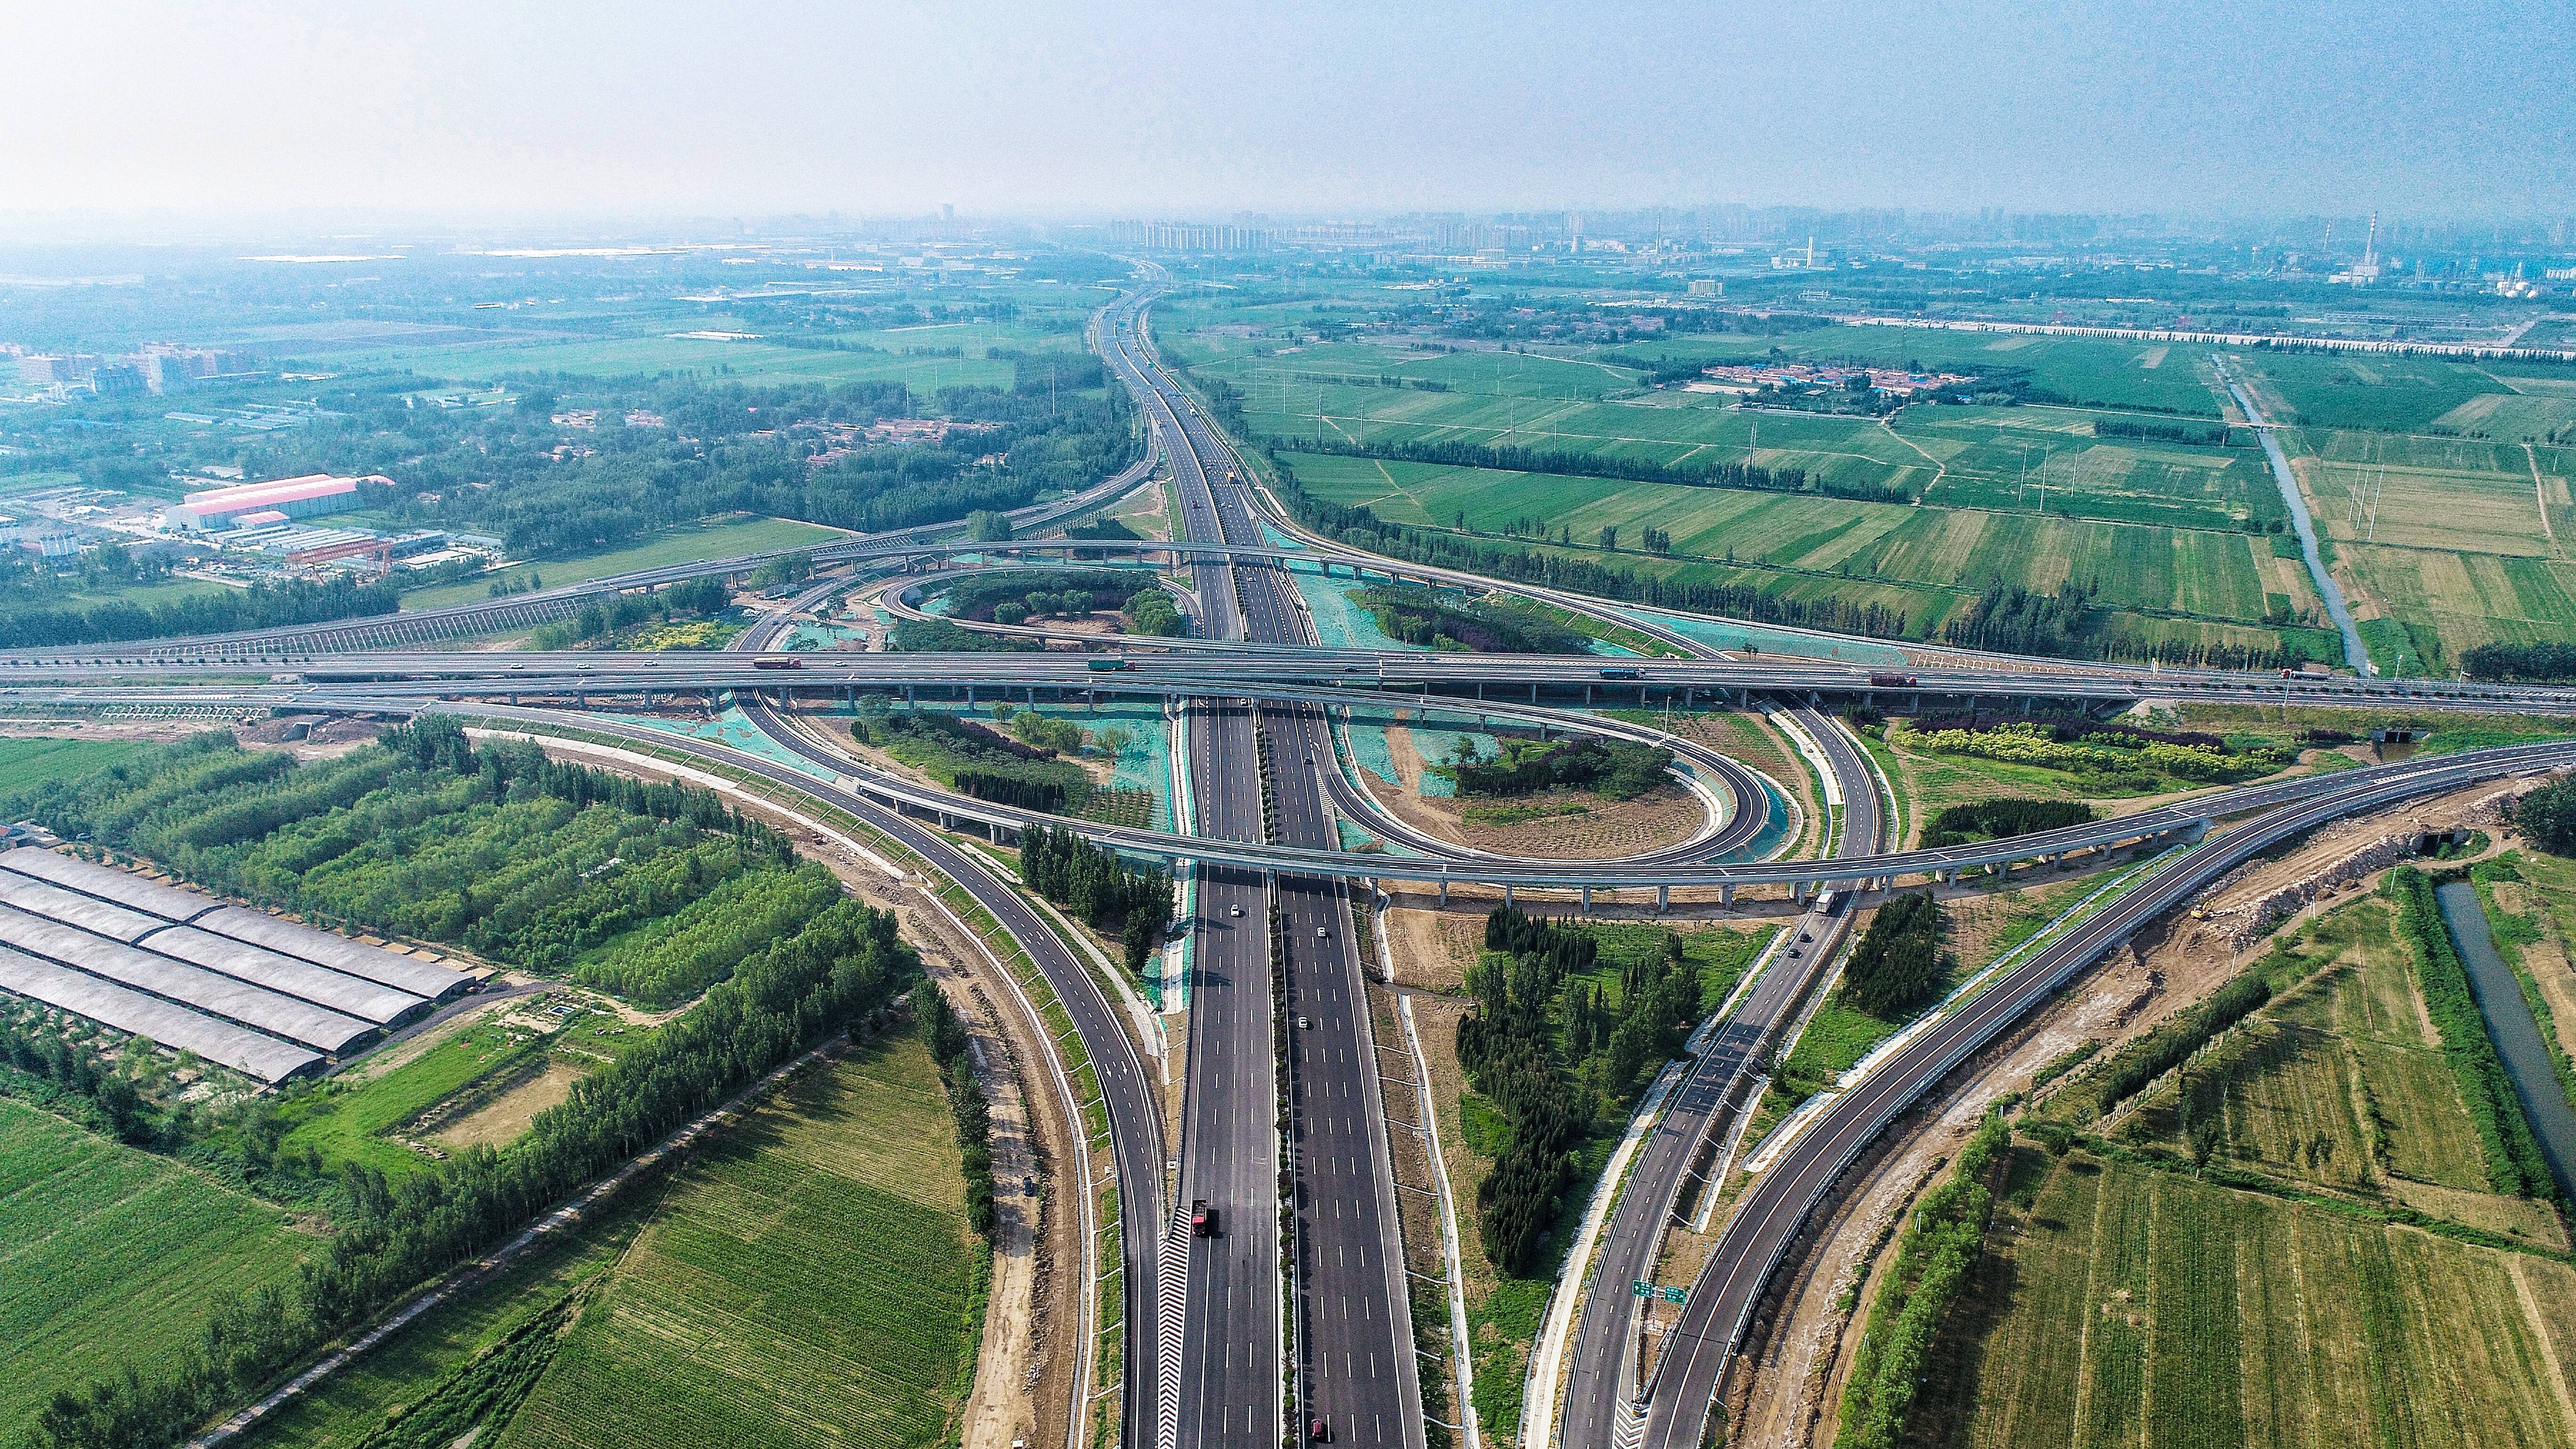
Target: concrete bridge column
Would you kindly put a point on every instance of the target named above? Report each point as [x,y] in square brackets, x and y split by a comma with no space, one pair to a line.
[1726,898]
[970,696]
[1663,899]
[1507,897]
[1444,895]
[1587,900]
[907,694]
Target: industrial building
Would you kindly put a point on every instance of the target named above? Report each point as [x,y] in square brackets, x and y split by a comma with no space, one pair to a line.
[309,496]
[262,995]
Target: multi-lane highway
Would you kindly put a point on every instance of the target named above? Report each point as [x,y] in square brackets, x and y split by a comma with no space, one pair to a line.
[1146,665]
[1602,1364]
[1349,1343]
[1217,1354]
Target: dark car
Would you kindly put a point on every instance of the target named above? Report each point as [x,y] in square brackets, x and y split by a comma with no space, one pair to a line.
[1317,1432]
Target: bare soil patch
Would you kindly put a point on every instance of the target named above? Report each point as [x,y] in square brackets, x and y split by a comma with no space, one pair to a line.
[1604,830]
[499,1122]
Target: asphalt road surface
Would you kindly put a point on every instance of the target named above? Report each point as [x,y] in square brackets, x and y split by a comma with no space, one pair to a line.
[1601,1371]
[1354,1369]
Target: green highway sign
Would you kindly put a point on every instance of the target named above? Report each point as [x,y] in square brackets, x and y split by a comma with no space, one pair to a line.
[1642,1289]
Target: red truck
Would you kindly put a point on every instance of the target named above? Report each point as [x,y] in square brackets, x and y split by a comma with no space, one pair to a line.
[1202,1219]
[777,661]
[1892,681]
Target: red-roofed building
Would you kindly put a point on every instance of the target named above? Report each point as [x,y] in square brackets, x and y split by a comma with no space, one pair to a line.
[305,497]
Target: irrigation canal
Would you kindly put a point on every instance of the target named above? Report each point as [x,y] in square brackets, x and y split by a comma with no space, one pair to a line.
[2515,1032]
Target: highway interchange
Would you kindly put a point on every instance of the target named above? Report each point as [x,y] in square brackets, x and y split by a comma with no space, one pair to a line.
[1298,1321]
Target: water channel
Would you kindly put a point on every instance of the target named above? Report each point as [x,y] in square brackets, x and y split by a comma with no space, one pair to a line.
[2355,652]
[2515,1033]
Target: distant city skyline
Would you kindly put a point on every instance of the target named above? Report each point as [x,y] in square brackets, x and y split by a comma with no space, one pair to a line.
[251,108]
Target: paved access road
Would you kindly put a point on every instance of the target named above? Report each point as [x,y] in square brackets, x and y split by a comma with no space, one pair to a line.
[1601,1368]
[1700,1346]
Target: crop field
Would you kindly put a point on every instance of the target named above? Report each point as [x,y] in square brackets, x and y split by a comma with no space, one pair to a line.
[2520,416]
[2002,458]
[1922,562]
[108,1256]
[2091,371]
[2129,1306]
[2396,394]
[709,539]
[2474,500]
[1301,369]
[25,763]
[621,342]
[356,1402]
[2339,1083]
[2459,551]
[804,1281]
[750,362]
[2459,599]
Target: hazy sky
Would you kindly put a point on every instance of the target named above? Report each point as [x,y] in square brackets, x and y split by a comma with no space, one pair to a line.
[584,108]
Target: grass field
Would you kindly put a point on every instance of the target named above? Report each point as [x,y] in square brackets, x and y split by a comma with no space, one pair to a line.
[805,1281]
[108,1256]
[141,596]
[2129,1306]
[25,763]
[706,540]
[2121,1300]
[345,1120]
[2397,394]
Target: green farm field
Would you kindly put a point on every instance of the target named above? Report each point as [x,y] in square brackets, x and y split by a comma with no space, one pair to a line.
[750,362]
[108,1256]
[2389,393]
[806,1280]
[26,763]
[2287,1090]
[357,1402]
[2130,1306]
[624,343]
[705,540]
[1920,561]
